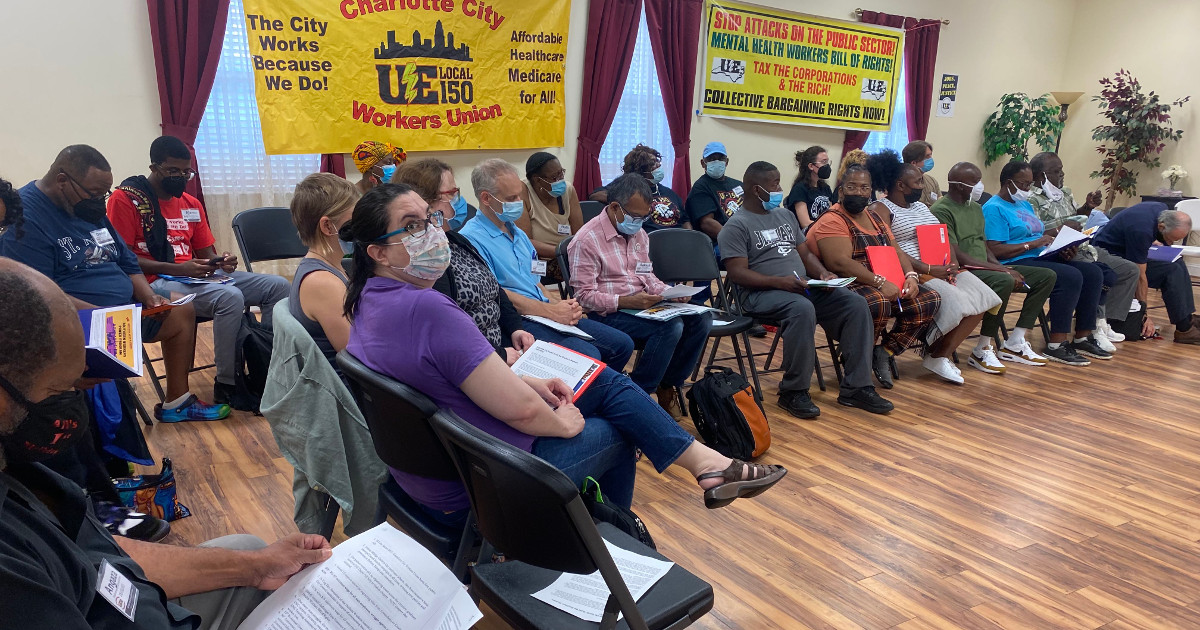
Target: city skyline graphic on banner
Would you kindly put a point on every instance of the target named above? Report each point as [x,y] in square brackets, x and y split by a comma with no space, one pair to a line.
[440,47]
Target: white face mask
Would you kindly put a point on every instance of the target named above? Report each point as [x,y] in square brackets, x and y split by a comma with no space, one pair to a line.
[1052,192]
[1018,194]
[976,190]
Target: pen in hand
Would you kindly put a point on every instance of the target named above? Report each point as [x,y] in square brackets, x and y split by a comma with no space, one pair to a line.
[801,280]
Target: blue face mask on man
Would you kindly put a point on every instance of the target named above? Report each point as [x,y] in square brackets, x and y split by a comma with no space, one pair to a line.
[927,166]
[510,211]
[715,169]
[630,224]
[773,200]
[388,171]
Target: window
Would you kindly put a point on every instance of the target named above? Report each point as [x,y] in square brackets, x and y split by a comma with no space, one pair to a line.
[229,146]
[641,117]
[897,137]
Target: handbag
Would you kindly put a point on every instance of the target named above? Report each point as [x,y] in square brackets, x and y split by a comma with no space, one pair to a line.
[153,494]
[622,518]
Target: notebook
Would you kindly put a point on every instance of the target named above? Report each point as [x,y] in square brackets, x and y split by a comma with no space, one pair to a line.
[934,243]
[1164,253]
[885,262]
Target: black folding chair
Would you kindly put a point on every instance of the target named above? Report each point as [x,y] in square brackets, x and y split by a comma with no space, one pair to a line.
[267,234]
[560,254]
[591,209]
[398,418]
[532,513]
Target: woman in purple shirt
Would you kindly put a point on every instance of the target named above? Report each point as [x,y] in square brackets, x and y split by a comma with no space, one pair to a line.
[405,329]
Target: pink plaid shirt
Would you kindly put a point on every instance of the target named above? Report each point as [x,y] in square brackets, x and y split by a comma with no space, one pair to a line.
[604,265]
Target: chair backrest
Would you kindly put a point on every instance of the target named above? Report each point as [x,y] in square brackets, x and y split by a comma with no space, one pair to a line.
[267,234]
[680,255]
[591,209]
[398,417]
[564,265]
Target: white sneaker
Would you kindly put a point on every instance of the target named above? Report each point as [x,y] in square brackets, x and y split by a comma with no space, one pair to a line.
[943,367]
[1103,342]
[1102,328]
[985,361]
[1022,354]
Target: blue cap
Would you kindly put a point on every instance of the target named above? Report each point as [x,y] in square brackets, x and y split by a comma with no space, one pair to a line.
[714,147]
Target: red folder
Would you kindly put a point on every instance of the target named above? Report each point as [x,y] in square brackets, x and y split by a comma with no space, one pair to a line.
[885,262]
[934,243]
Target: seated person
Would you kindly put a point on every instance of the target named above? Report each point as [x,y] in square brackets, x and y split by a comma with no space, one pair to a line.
[514,262]
[666,208]
[468,280]
[68,238]
[763,253]
[856,156]
[810,196]
[1056,207]
[841,237]
[714,196]
[552,213]
[54,547]
[1016,234]
[12,213]
[418,336]
[959,209]
[376,161]
[1130,235]
[920,154]
[965,298]
[321,205]
[611,270]
[168,230]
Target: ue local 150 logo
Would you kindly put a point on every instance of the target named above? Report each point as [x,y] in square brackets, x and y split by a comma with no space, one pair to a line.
[420,84]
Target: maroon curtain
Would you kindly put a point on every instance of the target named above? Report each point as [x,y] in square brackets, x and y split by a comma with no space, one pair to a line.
[920,57]
[611,35]
[186,36]
[858,139]
[674,27]
[334,163]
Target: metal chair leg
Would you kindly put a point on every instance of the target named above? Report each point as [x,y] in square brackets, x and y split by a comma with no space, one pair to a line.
[141,409]
[162,396]
[758,395]
[817,365]
[774,346]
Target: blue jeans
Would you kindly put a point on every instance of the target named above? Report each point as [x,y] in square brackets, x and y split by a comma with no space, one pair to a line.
[1076,293]
[609,345]
[671,349]
[618,417]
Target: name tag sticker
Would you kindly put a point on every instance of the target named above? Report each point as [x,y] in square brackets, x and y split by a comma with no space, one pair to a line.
[645,267]
[102,237]
[191,215]
[564,230]
[539,267]
[117,589]
[737,190]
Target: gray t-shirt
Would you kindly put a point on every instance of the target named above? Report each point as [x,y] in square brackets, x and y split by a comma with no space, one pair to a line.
[768,241]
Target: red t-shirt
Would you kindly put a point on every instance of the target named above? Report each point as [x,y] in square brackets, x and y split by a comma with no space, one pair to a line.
[187,225]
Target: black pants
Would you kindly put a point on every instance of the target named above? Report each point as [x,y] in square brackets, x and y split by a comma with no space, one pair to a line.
[1176,286]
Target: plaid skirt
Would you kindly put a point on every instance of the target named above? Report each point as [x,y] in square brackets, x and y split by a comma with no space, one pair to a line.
[914,314]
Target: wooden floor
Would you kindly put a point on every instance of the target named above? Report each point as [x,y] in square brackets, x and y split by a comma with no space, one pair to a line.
[1049,497]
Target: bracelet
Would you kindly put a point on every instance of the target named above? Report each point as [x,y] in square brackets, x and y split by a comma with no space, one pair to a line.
[1026,246]
[879,280]
[912,274]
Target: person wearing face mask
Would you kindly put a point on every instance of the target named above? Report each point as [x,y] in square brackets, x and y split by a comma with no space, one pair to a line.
[377,161]
[764,251]
[715,196]
[68,237]
[666,207]
[406,330]
[552,213]
[841,237]
[810,196]
[959,209]
[920,154]
[965,298]
[1056,207]
[168,230]
[1016,234]
[612,275]
[514,262]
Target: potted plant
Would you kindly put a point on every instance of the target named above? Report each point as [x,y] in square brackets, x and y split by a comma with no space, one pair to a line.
[1016,121]
[1138,130]
[1173,174]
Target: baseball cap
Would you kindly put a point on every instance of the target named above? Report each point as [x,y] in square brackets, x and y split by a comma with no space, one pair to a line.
[714,147]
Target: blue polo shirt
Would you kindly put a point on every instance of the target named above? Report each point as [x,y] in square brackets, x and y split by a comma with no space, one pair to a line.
[65,248]
[510,258]
[1013,224]
[1131,233]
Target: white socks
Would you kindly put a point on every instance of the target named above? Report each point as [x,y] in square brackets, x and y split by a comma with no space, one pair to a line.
[983,343]
[174,404]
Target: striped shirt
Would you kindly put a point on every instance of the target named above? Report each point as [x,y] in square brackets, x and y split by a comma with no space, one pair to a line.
[604,265]
[905,222]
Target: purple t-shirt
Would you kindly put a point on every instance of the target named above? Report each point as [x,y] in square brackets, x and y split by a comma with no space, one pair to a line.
[424,340]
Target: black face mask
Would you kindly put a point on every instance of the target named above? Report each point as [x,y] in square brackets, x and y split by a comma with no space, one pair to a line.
[91,210]
[824,172]
[174,185]
[855,204]
[913,196]
[50,426]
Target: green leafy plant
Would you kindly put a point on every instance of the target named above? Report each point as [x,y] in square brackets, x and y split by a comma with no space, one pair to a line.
[1138,130]
[1017,120]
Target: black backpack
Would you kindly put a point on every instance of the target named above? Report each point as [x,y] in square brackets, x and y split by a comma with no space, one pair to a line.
[251,364]
[1131,327]
[622,518]
[728,418]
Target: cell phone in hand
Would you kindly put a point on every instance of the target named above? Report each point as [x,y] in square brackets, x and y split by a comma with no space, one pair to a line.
[215,261]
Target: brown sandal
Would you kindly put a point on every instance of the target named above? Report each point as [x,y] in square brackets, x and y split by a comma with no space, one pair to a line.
[761,477]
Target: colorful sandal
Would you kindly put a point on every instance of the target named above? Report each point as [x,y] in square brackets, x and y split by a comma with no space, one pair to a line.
[762,476]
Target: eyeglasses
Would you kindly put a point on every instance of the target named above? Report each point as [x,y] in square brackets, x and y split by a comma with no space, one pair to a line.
[416,228]
[87,193]
[452,194]
[560,175]
[177,172]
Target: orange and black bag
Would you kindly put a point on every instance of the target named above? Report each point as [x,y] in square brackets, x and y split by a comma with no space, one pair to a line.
[726,415]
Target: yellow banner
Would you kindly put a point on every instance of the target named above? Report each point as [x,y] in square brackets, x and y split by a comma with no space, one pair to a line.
[426,75]
[780,66]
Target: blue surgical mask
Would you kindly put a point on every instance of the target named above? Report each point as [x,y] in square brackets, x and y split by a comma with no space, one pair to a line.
[459,205]
[388,171]
[657,175]
[715,169]
[511,210]
[630,224]
[927,166]
[774,199]
[558,188]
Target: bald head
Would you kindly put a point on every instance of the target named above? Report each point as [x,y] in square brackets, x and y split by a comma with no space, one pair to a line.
[961,179]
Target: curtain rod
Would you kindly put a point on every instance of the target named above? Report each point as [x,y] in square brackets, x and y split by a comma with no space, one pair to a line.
[858,16]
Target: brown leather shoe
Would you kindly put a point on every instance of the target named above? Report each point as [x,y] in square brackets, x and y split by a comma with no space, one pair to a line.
[669,401]
[1192,335]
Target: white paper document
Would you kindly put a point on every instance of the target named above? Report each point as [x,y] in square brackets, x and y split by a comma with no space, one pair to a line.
[668,310]
[584,596]
[378,579]
[547,360]
[563,328]
[681,291]
[831,284]
[1067,237]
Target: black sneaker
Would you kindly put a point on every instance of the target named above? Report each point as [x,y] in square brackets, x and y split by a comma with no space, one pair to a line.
[123,521]
[223,393]
[757,331]
[799,404]
[1089,347]
[881,365]
[1065,354]
[867,399]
